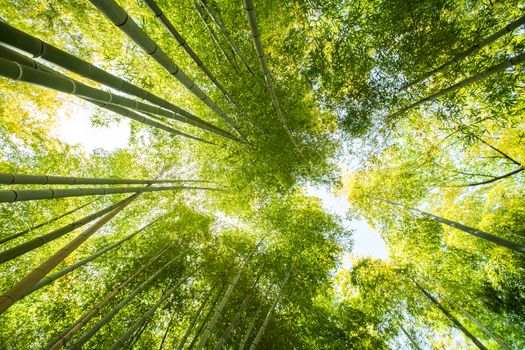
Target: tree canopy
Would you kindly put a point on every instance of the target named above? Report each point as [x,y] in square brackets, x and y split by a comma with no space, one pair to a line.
[201,231]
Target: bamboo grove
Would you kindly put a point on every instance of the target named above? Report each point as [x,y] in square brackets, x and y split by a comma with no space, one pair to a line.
[202,230]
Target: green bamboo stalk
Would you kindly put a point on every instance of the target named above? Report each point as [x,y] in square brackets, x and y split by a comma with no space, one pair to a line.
[470,230]
[165,336]
[23,248]
[477,323]
[23,179]
[464,83]
[454,320]
[133,328]
[28,195]
[21,288]
[194,319]
[88,334]
[269,315]
[250,327]
[45,77]
[410,338]
[236,317]
[37,48]
[249,6]
[206,318]
[470,51]
[214,37]
[226,35]
[32,228]
[124,22]
[59,341]
[159,14]
[211,325]
[53,277]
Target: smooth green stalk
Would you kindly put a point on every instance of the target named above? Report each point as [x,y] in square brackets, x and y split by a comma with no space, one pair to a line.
[29,195]
[124,22]
[21,233]
[28,246]
[37,48]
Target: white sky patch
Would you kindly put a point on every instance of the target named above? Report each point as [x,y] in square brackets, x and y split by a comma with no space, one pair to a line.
[74,127]
[367,241]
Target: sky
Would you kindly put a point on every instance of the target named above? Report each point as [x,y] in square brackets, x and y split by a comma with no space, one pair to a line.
[74,127]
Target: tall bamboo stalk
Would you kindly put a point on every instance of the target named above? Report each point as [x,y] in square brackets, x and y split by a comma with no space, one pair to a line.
[108,316]
[226,35]
[59,341]
[213,35]
[53,277]
[477,323]
[194,319]
[236,317]
[454,320]
[23,179]
[21,288]
[410,338]
[115,103]
[159,14]
[269,315]
[124,22]
[470,230]
[37,48]
[211,325]
[133,328]
[250,327]
[249,5]
[466,82]
[28,195]
[206,318]
[470,51]
[47,222]
[23,248]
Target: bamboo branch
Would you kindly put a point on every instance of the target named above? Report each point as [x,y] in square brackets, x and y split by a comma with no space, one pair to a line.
[472,50]
[252,20]
[466,82]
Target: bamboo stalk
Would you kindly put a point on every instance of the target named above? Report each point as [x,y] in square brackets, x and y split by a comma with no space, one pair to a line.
[470,230]
[213,36]
[28,195]
[23,179]
[451,317]
[470,51]
[226,36]
[211,325]
[236,317]
[194,319]
[124,22]
[466,82]
[206,318]
[59,341]
[53,277]
[477,323]
[250,327]
[21,288]
[249,6]
[48,78]
[23,248]
[37,48]
[269,315]
[133,328]
[88,334]
[32,228]
[410,338]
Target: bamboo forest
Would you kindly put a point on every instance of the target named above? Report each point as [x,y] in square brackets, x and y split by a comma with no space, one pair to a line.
[262,174]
